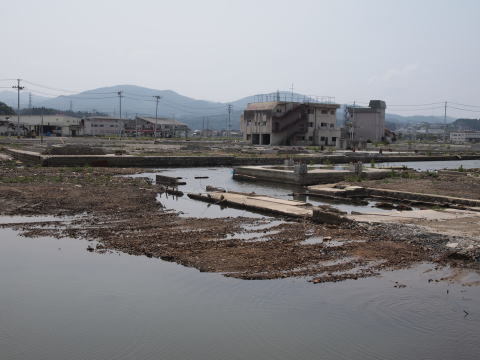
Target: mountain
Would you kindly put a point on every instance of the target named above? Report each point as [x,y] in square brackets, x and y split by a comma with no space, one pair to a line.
[10,98]
[195,113]
[467,124]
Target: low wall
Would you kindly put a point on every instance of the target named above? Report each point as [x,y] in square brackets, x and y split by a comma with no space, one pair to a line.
[203,161]
[431,198]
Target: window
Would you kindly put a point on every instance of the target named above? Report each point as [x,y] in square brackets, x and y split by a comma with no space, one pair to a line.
[332,125]
[323,124]
[322,138]
[334,138]
[332,112]
[324,112]
[310,124]
[310,138]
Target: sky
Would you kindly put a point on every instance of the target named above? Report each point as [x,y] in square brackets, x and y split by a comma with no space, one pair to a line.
[407,52]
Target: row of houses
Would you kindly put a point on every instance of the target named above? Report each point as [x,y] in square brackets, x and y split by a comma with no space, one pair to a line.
[310,122]
[60,125]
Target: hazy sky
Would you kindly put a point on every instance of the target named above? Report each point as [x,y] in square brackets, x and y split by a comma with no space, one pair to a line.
[406,52]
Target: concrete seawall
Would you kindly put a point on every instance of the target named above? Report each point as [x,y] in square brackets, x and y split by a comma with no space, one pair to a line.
[202,161]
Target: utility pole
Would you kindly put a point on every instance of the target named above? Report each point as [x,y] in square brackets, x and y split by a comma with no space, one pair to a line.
[120,96]
[29,100]
[41,129]
[229,109]
[157,98]
[136,125]
[18,87]
[353,122]
[445,124]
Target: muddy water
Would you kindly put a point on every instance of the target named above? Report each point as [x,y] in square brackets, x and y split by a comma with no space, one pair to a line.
[58,301]
[222,177]
[435,165]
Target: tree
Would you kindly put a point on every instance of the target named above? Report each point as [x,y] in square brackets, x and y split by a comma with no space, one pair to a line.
[5,109]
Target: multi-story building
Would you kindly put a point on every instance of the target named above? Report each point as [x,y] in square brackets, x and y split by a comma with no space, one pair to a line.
[291,123]
[465,136]
[365,124]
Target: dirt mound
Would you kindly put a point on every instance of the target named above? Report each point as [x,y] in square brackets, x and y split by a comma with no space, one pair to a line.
[74,150]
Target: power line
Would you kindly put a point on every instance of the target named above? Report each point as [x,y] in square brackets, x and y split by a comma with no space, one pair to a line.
[475,106]
[416,105]
[468,110]
[67,91]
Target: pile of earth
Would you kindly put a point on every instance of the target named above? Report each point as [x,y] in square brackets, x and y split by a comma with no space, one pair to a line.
[74,150]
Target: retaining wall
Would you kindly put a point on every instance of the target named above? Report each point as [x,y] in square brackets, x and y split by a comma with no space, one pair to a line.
[202,161]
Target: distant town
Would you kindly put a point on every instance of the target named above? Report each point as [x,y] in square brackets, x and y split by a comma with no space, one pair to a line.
[276,119]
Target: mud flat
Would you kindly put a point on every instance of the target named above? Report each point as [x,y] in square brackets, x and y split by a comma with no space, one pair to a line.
[123,214]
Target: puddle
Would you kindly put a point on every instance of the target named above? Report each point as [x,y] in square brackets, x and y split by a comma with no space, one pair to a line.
[327,243]
[221,177]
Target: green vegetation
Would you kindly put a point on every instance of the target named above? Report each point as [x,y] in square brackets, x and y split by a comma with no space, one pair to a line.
[5,109]
[460,168]
[51,111]
[354,178]
[433,174]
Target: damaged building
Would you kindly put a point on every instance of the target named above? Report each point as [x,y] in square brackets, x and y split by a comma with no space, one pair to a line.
[365,124]
[164,127]
[291,123]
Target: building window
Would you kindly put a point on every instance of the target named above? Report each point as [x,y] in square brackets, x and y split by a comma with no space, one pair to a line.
[332,125]
[334,138]
[310,124]
[310,138]
[322,138]
[323,124]
[332,112]
[324,112]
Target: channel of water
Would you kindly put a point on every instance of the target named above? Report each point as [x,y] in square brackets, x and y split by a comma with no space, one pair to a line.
[59,301]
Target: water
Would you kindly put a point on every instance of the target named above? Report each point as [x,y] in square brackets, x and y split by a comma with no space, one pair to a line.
[222,177]
[58,301]
[434,165]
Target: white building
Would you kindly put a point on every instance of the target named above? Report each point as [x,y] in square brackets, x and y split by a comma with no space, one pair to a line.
[49,125]
[102,126]
[290,123]
[465,136]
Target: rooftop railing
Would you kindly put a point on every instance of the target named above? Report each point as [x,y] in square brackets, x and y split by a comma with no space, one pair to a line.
[288,97]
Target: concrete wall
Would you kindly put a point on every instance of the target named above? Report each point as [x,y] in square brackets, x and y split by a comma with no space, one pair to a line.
[201,161]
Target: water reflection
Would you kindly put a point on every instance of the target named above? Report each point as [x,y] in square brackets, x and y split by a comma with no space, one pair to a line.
[58,301]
